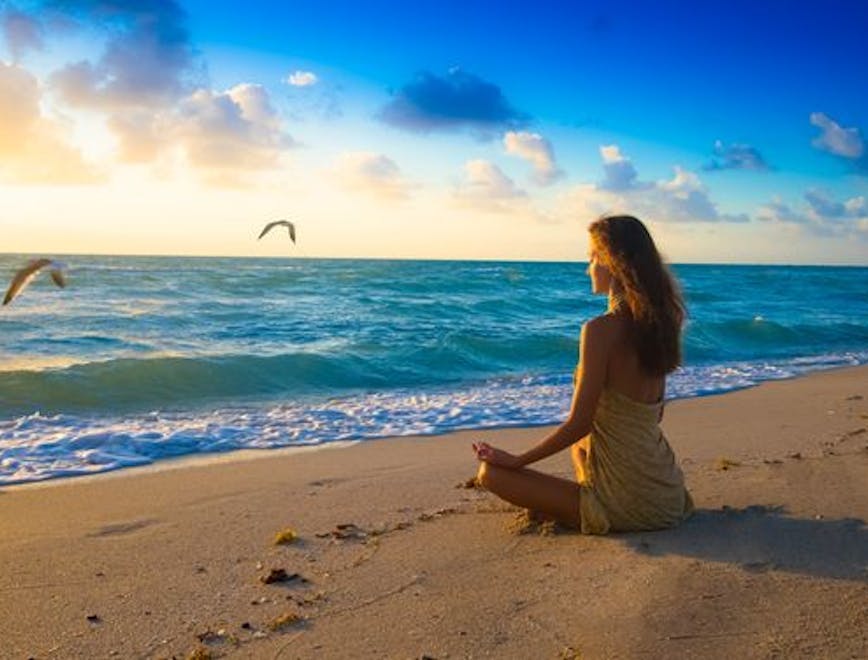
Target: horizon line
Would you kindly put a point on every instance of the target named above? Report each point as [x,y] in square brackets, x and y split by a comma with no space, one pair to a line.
[422,259]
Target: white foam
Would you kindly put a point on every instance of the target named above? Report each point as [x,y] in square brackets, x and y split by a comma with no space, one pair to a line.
[37,447]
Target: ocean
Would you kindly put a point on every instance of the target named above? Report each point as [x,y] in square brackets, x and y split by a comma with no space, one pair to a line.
[145,358]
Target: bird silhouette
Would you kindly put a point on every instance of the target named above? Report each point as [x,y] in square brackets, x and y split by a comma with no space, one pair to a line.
[279,223]
[25,275]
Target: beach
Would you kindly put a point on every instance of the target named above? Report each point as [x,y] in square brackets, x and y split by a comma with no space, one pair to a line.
[395,556]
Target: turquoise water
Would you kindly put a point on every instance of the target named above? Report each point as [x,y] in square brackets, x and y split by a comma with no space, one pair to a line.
[142,358]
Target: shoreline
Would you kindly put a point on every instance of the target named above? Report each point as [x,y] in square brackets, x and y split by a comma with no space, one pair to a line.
[395,557]
[246,454]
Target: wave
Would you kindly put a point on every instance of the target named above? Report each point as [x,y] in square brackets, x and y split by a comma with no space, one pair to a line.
[326,368]
[412,353]
[39,446]
[758,337]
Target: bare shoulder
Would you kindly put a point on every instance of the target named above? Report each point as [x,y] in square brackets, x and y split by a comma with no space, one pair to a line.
[601,335]
[605,329]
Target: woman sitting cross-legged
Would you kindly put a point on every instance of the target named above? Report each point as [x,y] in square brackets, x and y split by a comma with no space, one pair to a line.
[627,475]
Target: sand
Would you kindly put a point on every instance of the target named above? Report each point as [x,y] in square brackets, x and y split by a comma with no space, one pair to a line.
[165,562]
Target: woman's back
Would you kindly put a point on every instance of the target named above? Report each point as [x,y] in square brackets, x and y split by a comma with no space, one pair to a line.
[623,371]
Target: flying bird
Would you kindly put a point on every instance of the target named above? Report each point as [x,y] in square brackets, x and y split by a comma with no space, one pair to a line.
[279,223]
[24,276]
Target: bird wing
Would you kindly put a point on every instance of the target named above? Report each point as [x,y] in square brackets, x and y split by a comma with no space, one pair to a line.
[279,223]
[267,229]
[23,277]
[58,276]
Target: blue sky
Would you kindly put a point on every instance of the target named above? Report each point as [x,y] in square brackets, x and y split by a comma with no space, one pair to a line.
[736,129]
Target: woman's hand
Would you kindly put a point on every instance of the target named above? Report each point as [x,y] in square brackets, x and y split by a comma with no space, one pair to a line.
[485,452]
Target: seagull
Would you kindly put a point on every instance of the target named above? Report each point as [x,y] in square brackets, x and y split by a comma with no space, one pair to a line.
[24,276]
[281,223]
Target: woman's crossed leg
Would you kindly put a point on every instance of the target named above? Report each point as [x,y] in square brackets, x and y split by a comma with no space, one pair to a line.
[553,497]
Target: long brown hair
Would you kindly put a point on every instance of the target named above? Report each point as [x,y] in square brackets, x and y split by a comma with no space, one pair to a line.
[625,247]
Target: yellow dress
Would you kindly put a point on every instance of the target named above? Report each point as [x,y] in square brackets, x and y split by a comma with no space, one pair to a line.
[627,471]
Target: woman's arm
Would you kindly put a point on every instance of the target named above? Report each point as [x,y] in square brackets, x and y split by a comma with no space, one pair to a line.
[595,345]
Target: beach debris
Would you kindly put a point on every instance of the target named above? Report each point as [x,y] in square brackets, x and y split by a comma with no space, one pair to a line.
[305,601]
[283,620]
[856,432]
[246,626]
[201,569]
[797,455]
[468,483]
[285,536]
[344,531]
[855,397]
[570,653]
[723,463]
[279,223]
[280,575]
[210,637]
[199,653]
[94,618]
[772,461]
[26,274]
[439,513]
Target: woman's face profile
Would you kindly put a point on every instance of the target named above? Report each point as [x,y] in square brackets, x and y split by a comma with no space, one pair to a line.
[601,277]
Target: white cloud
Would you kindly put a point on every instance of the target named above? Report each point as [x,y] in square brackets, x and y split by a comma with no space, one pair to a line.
[618,171]
[682,184]
[302,79]
[485,181]
[780,212]
[846,142]
[856,207]
[230,130]
[538,151]
[33,148]
[822,215]
[611,154]
[681,199]
[222,134]
[370,173]
[148,59]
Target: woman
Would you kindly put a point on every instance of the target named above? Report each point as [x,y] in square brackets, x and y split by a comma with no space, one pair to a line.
[626,471]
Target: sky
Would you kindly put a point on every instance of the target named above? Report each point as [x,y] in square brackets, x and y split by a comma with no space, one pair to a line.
[475,130]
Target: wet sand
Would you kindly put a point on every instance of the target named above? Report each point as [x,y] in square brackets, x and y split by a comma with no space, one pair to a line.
[395,557]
